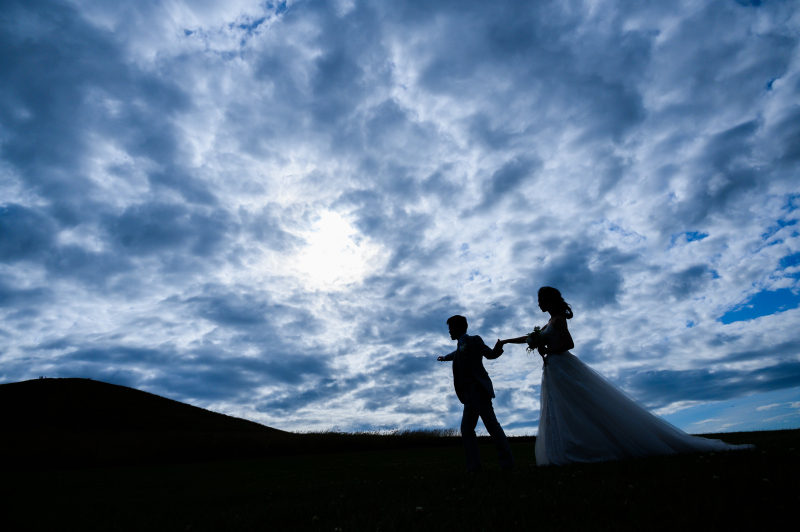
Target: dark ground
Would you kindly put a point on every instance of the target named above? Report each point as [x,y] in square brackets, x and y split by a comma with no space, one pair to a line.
[85,455]
[420,489]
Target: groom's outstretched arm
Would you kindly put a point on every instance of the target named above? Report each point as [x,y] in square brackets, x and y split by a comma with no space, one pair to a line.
[447,357]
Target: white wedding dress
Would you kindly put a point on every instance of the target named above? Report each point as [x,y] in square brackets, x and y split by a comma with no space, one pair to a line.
[586,418]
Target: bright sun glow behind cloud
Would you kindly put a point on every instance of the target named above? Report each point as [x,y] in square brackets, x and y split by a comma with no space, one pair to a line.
[335,255]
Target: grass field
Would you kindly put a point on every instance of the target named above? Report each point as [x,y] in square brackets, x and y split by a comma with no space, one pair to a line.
[419,489]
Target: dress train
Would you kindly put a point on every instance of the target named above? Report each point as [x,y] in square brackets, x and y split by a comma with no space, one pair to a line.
[585,418]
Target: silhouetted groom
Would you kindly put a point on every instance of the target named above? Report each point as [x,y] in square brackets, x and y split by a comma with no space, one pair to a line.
[474,390]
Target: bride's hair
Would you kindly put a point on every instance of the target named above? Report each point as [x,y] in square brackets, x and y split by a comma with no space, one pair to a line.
[552,299]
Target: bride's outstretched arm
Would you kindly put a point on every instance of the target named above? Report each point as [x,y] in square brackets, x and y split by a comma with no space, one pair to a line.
[520,340]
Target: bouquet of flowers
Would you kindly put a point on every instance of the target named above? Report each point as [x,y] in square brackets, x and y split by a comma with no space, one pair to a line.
[534,339]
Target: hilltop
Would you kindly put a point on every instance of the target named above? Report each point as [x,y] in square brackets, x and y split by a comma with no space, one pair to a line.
[79,405]
[67,423]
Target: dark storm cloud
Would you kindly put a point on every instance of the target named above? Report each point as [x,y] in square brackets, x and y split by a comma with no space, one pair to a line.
[388,121]
[214,376]
[201,375]
[66,83]
[781,350]
[335,87]
[398,381]
[90,267]
[325,92]
[24,233]
[121,355]
[67,87]
[406,366]
[192,189]
[249,310]
[507,179]
[325,389]
[724,155]
[496,316]
[788,131]
[524,43]
[22,307]
[404,321]
[153,228]
[439,184]
[586,275]
[266,227]
[661,388]
[690,280]
[231,309]
[523,424]
[491,136]
[20,298]
[28,234]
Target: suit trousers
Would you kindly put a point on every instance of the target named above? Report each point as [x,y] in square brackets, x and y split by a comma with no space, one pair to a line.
[479,404]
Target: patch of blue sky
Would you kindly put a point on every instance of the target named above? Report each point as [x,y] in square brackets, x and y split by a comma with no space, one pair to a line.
[521,427]
[779,224]
[790,261]
[279,7]
[779,409]
[614,228]
[764,303]
[769,83]
[475,274]
[690,236]
[252,25]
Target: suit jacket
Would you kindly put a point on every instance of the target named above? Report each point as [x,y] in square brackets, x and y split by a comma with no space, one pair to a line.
[468,365]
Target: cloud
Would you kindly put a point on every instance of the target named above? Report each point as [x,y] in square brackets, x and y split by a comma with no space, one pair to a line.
[155,228]
[657,388]
[24,233]
[271,209]
[508,178]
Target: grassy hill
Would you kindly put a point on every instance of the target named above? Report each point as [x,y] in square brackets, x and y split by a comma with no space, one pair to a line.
[68,423]
[77,405]
[78,423]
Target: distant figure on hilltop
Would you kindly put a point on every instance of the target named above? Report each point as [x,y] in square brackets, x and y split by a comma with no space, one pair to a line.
[584,417]
[474,390]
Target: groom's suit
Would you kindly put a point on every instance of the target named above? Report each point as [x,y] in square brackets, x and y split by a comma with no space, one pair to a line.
[474,390]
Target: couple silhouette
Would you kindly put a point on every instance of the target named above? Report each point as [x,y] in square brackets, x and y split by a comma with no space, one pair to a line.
[584,417]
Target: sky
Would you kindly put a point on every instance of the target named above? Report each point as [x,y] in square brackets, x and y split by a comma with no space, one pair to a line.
[270,209]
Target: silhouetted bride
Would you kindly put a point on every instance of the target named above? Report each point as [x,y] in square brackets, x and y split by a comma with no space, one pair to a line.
[584,417]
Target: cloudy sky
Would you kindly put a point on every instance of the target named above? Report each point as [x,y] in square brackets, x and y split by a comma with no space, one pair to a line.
[269,209]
